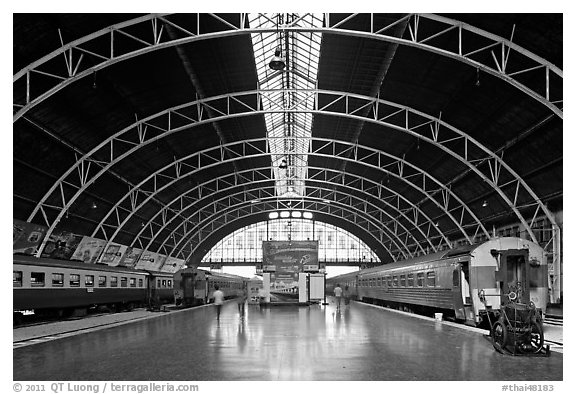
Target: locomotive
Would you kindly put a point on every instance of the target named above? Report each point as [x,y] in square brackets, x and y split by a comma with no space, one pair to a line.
[51,287]
[194,286]
[470,284]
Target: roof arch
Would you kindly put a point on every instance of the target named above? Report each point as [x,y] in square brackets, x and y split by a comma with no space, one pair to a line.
[399,145]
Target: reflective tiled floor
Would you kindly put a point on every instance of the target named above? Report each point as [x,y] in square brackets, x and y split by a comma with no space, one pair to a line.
[279,343]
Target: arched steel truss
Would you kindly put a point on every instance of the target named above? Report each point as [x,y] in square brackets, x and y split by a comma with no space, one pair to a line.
[496,56]
[216,220]
[488,166]
[251,190]
[396,202]
[338,206]
[246,149]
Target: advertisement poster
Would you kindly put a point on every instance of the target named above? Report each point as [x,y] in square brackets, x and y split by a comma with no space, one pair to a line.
[27,237]
[172,265]
[61,245]
[131,257]
[89,250]
[148,261]
[285,259]
[113,254]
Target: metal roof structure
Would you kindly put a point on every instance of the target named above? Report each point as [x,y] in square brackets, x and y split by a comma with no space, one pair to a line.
[168,131]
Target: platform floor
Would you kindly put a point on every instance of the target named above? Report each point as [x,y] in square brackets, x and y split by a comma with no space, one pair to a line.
[316,343]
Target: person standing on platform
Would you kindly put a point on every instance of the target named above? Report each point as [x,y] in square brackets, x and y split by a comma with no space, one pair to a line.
[218,296]
[346,295]
[242,300]
[338,294]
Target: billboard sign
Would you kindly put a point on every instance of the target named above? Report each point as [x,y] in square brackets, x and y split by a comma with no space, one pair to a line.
[286,259]
[89,250]
[26,237]
[61,245]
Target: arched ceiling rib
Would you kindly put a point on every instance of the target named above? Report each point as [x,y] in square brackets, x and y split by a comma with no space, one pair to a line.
[468,151]
[443,165]
[497,63]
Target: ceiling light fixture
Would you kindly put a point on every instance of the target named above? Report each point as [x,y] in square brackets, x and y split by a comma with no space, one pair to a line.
[485,204]
[277,63]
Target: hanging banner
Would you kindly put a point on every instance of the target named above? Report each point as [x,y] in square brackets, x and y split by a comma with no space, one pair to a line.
[148,261]
[61,245]
[27,237]
[172,265]
[131,257]
[113,255]
[89,250]
[286,259]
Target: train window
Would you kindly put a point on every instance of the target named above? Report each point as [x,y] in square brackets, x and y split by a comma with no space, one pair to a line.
[455,278]
[402,280]
[17,278]
[379,282]
[420,279]
[74,280]
[37,279]
[389,281]
[410,280]
[89,280]
[140,283]
[158,283]
[101,281]
[123,281]
[57,280]
[113,281]
[169,283]
[163,282]
[431,279]
[132,282]
[395,281]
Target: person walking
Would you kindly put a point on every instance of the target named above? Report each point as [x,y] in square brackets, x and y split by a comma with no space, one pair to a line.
[242,300]
[338,294]
[346,295]
[218,296]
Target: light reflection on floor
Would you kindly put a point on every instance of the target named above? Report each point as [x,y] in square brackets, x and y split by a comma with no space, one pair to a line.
[279,343]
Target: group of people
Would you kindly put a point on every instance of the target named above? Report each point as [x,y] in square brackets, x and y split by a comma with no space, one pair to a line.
[339,294]
[218,296]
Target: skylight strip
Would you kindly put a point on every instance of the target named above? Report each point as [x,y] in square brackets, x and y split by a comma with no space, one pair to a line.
[303,56]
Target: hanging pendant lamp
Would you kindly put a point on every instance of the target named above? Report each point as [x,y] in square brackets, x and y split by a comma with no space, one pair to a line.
[277,62]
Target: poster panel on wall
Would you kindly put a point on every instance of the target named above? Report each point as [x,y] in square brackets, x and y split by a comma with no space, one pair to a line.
[285,259]
[131,257]
[113,254]
[89,249]
[172,265]
[27,237]
[61,245]
[148,260]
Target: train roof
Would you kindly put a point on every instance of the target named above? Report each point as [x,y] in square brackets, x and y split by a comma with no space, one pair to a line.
[428,258]
[214,274]
[74,264]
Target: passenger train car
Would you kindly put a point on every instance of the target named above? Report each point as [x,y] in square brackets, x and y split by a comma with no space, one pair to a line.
[193,286]
[470,284]
[57,287]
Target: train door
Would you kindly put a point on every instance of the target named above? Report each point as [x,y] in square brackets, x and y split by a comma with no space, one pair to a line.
[457,288]
[202,289]
[187,285]
[513,275]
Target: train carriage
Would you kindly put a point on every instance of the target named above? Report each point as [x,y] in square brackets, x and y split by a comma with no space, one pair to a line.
[49,286]
[193,286]
[470,283]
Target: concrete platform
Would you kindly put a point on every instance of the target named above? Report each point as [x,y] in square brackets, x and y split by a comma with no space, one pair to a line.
[316,343]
